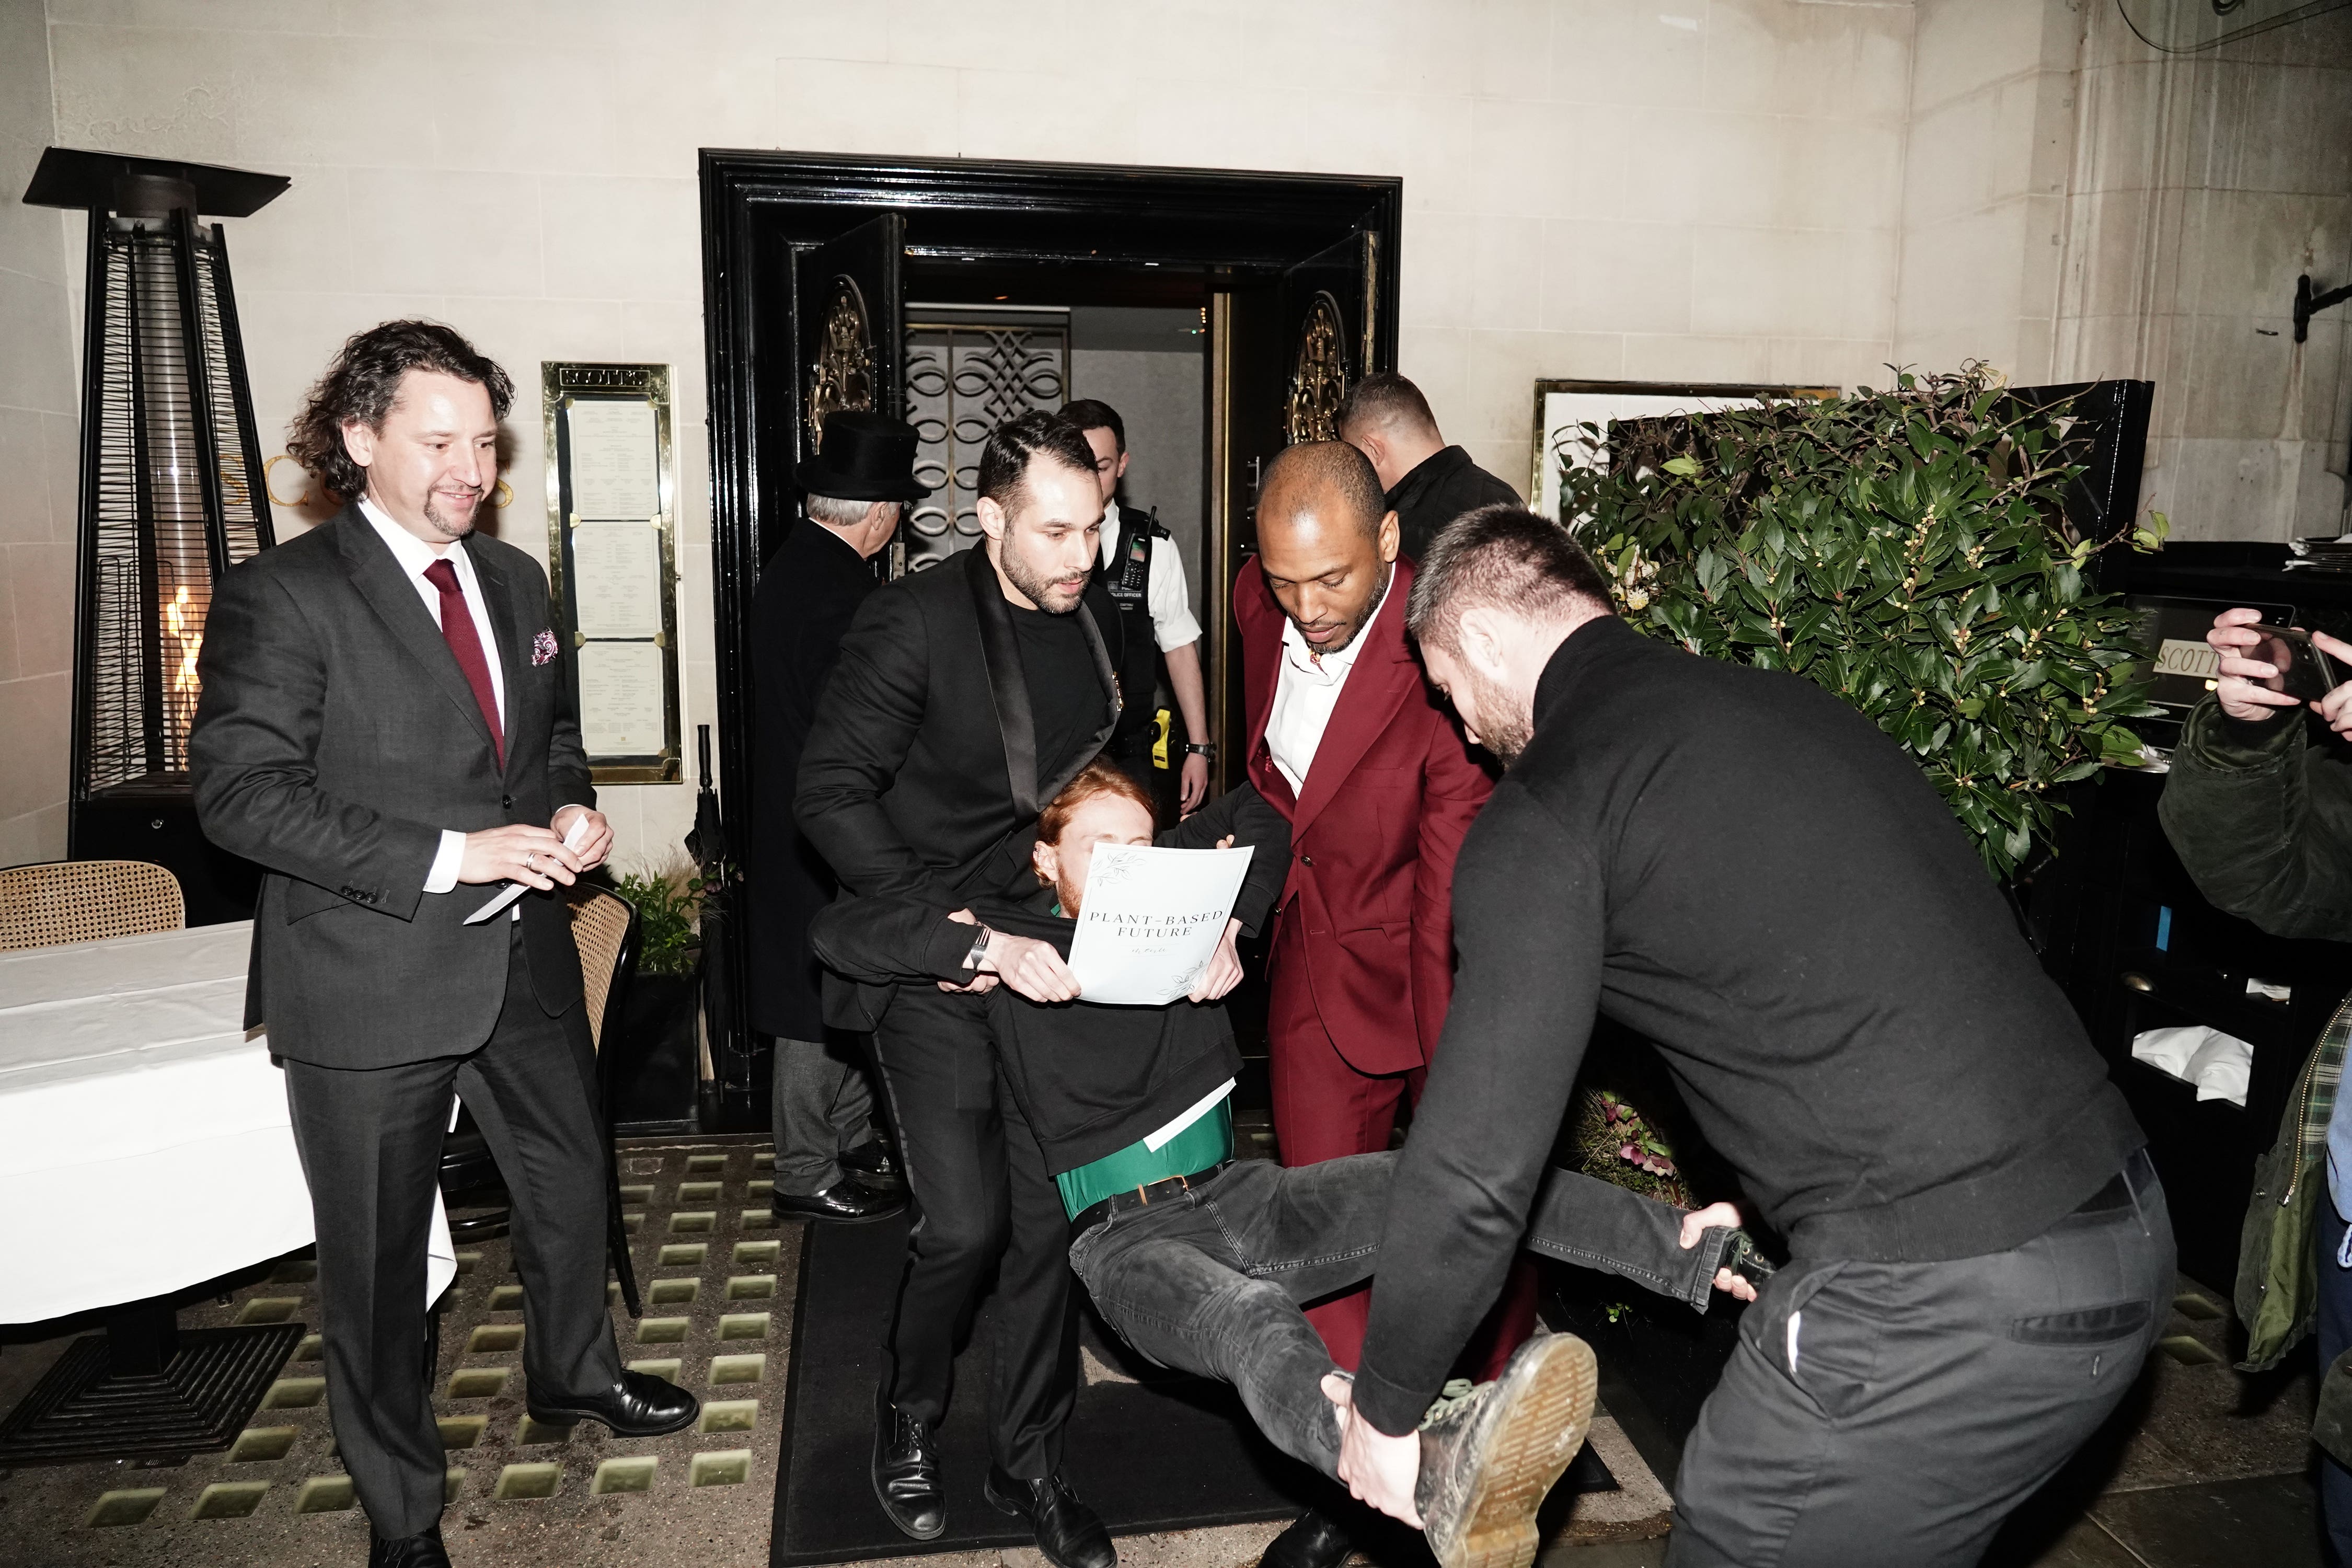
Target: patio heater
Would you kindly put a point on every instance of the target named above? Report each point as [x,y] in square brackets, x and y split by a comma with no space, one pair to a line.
[171,495]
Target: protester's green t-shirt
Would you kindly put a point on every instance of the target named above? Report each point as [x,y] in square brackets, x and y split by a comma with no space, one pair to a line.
[1208,1142]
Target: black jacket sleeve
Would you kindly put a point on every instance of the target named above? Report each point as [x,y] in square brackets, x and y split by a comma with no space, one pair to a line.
[866,726]
[1529,923]
[1248,819]
[2262,820]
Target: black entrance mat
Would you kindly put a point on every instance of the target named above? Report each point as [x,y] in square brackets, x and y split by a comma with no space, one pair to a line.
[1161,1452]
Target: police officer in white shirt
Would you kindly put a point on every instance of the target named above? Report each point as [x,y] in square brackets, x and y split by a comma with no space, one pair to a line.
[1146,578]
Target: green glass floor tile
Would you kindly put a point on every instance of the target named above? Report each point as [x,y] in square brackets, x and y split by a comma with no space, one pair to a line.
[2196,1308]
[757,1254]
[312,1348]
[699,1192]
[659,1367]
[294,1271]
[663,1330]
[325,1494]
[751,1286]
[2187,1350]
[758,1219]
[453,1481]
[228,1500]
[530,1433]
[686,1223]
[131,1505]
[743,1326]
[640,1196]
[294,1394]
[258,1443]
[525,1482]
[268,1309]
[729,1416]
[737,1369]
[506,1299]
[478,1382]
[702,1164]
[765,1160]
[634,1474]
[461,1431]
[674,1292]
[724,1468]
[632,1223]
[685,1255]
[468,1261]
[494,1339]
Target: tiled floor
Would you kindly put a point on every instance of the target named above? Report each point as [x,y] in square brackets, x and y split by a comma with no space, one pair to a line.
[2202,1467]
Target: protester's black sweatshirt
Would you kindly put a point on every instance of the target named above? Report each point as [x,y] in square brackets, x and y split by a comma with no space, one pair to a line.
[1742,868]
[1091,1080]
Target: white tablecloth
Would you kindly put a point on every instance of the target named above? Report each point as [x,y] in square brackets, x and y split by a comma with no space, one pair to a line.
[144,1140]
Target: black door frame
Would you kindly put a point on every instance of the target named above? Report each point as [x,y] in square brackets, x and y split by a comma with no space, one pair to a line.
[1073,219]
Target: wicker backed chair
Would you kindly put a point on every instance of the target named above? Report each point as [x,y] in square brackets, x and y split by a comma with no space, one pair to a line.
[605,927]
[60,901]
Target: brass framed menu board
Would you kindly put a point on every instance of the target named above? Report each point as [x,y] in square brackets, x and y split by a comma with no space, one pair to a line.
[611,557]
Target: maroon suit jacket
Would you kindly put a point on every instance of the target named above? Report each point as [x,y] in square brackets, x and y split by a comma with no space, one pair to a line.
[1391,791]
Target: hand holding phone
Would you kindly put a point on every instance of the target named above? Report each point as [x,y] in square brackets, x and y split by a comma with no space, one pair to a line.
[2265,667]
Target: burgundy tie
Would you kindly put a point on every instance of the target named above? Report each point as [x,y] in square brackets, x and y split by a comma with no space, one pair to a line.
[457,629]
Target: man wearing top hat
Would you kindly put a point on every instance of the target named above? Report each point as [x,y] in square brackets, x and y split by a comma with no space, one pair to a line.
[830,1162]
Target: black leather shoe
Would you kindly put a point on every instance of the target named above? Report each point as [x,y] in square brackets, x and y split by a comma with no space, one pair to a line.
[422,1550]
[639,1405]
[1314,1540]
[907,1474]
[1069,1533]
[873,1163]
[848,1201]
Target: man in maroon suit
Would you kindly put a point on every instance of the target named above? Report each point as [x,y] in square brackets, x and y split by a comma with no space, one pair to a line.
[1349,740]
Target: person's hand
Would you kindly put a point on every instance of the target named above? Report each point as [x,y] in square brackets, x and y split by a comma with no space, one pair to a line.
[1224,969]
[1031,967]
[1717,1216]
[979,985]
[2240,698]
[599,842]
[535,856]
[1380,1469]
[1192,783]
[2336,709]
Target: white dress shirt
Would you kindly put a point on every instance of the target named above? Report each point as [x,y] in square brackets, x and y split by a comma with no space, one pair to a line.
[415,555]
[1165,590]
[1304,694]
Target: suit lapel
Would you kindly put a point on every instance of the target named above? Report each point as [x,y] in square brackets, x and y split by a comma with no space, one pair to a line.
[377,574]
[1001,653]
[1383,678]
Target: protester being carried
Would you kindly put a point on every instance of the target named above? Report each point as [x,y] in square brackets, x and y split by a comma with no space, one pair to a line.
[1201,1261]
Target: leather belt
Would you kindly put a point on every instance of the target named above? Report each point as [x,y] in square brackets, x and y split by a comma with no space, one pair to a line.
[1143,1197]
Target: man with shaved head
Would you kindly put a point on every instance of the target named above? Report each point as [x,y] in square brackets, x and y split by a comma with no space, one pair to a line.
[1349,740]
[1429,483]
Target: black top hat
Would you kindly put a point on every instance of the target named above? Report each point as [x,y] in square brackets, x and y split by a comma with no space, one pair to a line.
[863,456]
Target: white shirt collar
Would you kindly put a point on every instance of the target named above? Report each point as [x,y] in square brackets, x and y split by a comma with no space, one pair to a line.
[413,554]
[1331,668]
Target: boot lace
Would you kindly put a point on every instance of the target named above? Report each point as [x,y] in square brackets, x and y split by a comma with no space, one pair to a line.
[1451,1397]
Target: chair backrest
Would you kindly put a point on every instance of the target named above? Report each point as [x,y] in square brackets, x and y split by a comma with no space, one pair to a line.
[605,927]
[60,901]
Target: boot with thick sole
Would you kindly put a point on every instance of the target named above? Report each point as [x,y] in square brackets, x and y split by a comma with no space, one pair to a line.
[1489,1454]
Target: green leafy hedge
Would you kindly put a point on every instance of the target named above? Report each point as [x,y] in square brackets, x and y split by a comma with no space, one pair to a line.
[1905,548]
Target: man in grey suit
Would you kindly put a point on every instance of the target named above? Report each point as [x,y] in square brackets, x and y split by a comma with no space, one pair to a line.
[385,726]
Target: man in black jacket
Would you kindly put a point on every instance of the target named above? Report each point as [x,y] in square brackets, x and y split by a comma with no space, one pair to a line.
[1203,1263]
[387,729]
[966,697]
[829,1165]
[1738,865]
[1429,483]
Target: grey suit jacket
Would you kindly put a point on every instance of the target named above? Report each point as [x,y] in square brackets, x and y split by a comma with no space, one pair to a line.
[335,741]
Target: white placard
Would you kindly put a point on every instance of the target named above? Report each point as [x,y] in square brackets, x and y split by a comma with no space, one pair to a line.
[2195,660]
[617,579]
[620,709]
[616,464]
[1564,411]
[1150,919]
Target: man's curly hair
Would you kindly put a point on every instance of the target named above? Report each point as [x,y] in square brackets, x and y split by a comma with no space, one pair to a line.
[361,382]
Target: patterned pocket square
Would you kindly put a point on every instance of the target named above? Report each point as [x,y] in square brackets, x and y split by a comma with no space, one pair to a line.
[542,648]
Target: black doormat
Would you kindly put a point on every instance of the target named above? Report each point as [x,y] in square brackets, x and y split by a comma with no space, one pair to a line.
[1159,1453]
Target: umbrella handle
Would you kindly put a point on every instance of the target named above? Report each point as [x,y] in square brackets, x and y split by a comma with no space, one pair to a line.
[702,747]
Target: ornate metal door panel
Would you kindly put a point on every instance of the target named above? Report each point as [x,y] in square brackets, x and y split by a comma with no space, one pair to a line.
[964,378]
[1329,308]
[846,336]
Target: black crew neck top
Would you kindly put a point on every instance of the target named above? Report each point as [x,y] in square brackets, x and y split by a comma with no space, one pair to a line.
[1742,868]
[1066,700]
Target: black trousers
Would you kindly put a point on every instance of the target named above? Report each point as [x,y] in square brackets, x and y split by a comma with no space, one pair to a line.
[370,1142]
[1883,1412]
[982,1197]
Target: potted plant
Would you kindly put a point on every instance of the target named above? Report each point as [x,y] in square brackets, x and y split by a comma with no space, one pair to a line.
[657,1069]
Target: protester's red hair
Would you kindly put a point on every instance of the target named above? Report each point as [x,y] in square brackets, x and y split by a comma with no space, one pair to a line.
[1097,777]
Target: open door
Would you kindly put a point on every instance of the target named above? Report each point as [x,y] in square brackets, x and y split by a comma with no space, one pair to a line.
[848,319]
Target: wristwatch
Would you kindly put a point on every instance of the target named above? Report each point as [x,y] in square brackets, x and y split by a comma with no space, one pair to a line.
[1200,748]
[979,949]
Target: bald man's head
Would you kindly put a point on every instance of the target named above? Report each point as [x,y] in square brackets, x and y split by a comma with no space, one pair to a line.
[1327,541]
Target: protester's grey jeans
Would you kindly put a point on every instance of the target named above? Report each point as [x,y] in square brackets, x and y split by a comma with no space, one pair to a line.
[824,1108]
[1210,1281]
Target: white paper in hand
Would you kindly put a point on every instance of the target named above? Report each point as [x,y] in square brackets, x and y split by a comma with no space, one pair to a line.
[1150,920]
[574,837]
